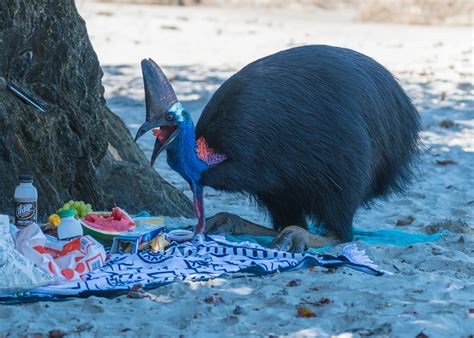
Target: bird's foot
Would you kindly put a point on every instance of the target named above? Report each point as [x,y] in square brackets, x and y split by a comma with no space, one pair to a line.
[296,239]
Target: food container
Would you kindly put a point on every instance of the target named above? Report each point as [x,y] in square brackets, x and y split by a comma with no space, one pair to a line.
[149,220]
[180,235]
[136,239]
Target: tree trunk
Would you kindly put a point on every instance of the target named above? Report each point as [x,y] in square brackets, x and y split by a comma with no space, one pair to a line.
[77,149]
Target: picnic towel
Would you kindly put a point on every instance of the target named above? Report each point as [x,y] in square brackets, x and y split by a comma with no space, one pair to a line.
[210,258]
[387,237]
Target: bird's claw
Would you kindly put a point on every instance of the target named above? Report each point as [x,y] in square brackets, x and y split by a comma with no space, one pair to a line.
[293,239]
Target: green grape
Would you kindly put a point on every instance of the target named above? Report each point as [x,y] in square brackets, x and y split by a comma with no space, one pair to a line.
[77,205]
[89,207]
[66,207]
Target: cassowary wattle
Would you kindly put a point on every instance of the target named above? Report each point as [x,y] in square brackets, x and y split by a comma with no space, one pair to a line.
[311,133]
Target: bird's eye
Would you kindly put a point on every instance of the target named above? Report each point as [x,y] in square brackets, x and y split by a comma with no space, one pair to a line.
[169,117]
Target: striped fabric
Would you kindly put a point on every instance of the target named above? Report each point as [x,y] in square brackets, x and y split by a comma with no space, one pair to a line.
[198,261]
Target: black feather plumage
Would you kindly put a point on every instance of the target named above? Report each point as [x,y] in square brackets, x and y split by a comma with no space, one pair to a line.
[311,132]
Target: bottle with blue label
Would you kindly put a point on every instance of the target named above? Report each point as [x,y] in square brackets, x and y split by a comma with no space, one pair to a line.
[26,200]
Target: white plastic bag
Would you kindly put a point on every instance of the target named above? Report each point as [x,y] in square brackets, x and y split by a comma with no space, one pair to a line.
[64,260]
[17,273]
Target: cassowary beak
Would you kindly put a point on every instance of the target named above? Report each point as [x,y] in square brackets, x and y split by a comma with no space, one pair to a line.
[159,97]
[157,149]
[145,127]
[164,136]
[159,145]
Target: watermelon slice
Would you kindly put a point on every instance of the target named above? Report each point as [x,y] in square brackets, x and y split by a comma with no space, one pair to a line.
[104,226]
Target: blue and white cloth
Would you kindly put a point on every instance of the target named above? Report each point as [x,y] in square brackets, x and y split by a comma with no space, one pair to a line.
[210,258]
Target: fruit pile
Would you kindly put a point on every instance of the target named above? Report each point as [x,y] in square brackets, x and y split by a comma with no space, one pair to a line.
[82,209]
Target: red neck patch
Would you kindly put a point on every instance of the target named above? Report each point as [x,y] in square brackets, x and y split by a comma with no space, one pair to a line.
[206,154]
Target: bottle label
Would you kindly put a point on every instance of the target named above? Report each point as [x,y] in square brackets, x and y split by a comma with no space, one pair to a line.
[25,213]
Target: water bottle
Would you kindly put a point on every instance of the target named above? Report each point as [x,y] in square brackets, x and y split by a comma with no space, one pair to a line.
[26,199]
[69,227]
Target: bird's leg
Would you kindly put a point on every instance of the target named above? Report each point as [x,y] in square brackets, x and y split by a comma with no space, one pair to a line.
[199,210]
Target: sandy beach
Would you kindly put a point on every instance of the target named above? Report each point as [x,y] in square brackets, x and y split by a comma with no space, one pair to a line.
[432,289]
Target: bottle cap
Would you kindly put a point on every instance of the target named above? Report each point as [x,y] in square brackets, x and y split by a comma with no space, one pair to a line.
[67,213]
[26,179]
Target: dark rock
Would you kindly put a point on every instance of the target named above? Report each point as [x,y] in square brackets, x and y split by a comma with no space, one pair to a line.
[78,149]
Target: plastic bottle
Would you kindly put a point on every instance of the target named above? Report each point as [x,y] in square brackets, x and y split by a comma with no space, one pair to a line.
[26,199]
[69,227]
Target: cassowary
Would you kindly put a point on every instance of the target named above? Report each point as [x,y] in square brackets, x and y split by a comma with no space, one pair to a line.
[311,133]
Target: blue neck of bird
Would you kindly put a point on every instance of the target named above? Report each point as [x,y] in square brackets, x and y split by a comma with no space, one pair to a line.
[182,156]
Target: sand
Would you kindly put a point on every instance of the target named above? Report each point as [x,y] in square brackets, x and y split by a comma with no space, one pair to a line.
[432,289]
